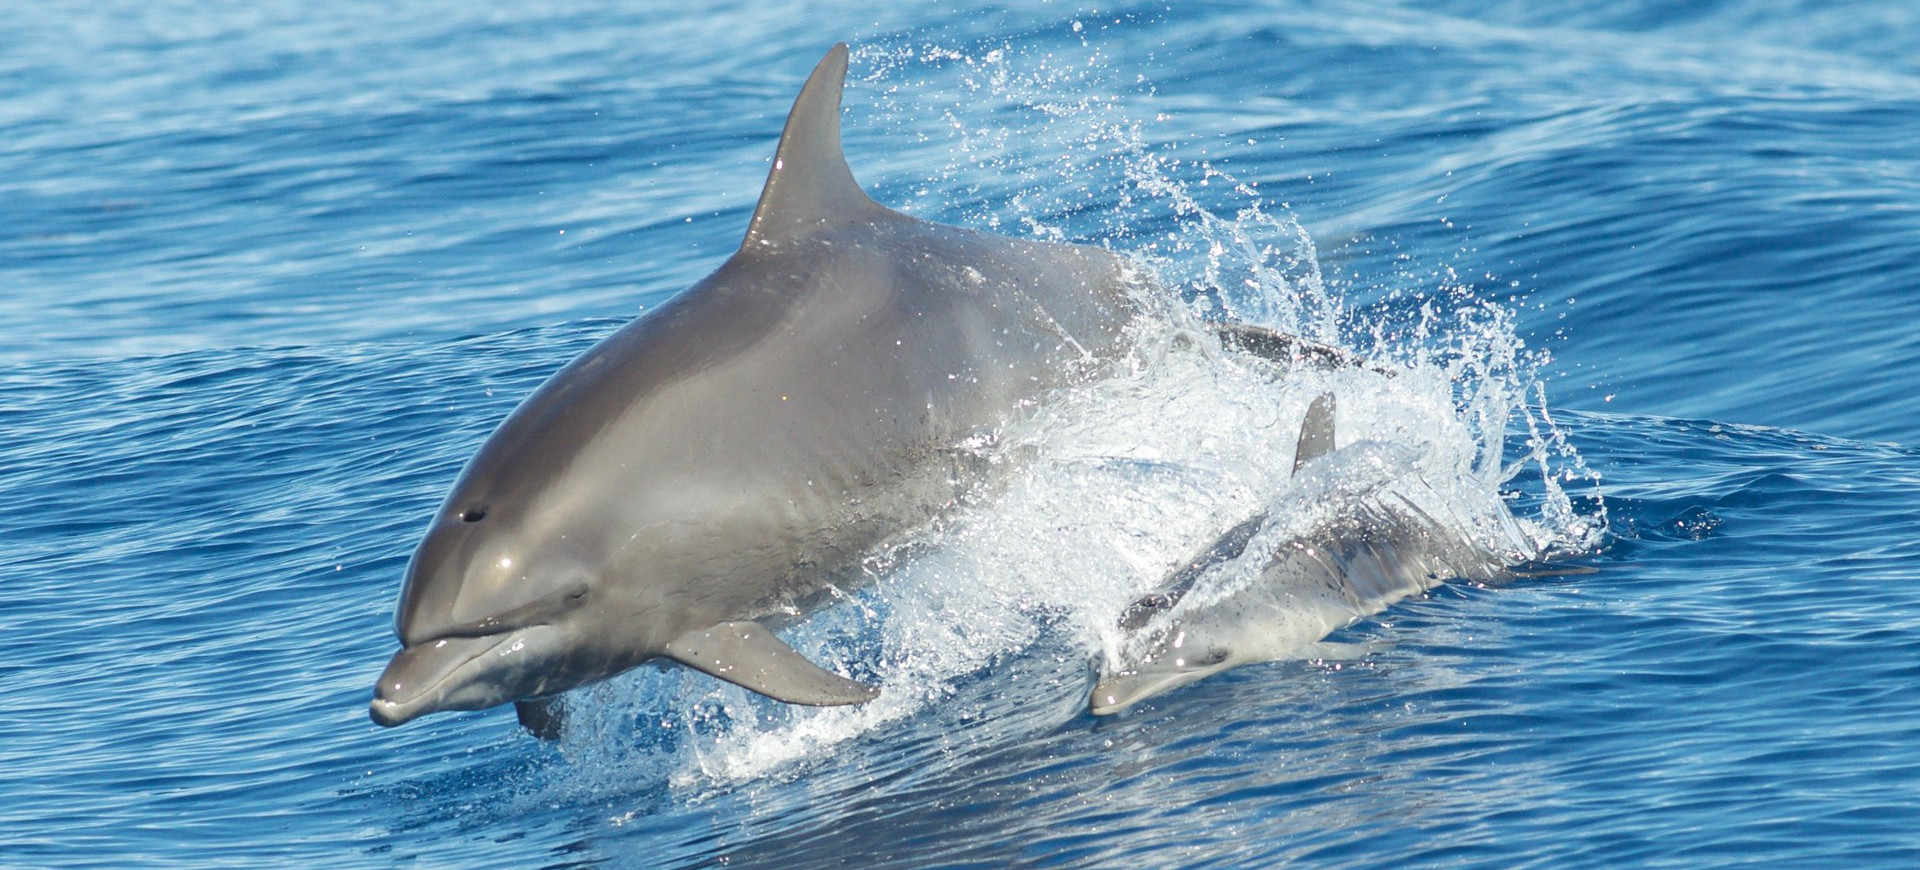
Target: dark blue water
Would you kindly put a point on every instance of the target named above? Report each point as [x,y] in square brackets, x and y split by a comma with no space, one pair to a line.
[269,272]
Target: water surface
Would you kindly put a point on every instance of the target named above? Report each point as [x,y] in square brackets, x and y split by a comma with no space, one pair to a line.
[269,272]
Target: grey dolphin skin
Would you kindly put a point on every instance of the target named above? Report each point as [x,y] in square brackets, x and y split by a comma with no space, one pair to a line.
[1370,553]
[703,471]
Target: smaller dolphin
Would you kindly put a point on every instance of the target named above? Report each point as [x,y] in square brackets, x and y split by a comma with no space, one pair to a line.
[1370,552]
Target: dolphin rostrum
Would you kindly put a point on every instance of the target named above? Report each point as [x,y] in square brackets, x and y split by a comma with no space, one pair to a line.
[705,470]
[1365,551]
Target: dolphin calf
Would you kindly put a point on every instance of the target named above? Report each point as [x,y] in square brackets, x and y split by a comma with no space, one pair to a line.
[1362,552]
[702,473]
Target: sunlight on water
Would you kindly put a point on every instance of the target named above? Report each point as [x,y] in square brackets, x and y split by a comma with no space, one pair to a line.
[1093,495]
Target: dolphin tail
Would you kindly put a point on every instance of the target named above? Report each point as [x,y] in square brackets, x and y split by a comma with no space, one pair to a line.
[747,654]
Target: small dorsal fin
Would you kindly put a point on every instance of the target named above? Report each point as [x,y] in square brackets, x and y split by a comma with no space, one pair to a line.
[1316,432]
[810,185]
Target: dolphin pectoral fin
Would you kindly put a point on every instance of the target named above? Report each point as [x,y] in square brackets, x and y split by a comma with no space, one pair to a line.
[747,654]
[545,718]
[1290,350]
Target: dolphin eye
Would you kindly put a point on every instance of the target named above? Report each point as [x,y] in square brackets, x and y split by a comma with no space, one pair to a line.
[473,515]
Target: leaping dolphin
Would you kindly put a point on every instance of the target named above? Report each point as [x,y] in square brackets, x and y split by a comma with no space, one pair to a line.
[709,466]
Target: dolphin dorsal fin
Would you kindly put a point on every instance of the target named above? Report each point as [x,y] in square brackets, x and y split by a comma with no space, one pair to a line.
[810,185]
[1316,432]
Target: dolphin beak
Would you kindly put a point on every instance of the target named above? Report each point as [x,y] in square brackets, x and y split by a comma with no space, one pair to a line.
[1118,691]
[421,679]
[1121,691]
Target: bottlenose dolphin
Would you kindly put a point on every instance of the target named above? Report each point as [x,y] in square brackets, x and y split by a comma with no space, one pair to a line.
[703,472]
[1365,551]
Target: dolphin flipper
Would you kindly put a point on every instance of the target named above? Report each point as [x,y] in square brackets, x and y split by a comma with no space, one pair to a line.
[748,655]
[544,718]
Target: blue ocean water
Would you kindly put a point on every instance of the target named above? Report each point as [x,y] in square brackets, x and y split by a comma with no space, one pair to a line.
[269,272]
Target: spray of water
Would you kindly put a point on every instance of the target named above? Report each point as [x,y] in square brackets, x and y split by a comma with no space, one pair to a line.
[1099,491]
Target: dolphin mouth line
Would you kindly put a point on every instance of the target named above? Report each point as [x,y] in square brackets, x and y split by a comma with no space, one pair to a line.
[538,612]
[1109,698]
[1122,689]
[391,712]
